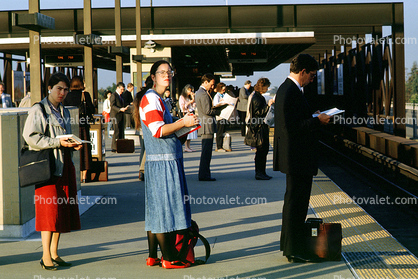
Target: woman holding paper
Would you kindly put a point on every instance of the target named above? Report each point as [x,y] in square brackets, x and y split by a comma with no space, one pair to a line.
[258,109]
[188,104]
[56,207]
[220,122]
[166,210]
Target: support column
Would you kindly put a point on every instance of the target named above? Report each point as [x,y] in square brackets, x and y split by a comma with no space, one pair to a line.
[138,45]
[7,78]
[88,51]
[35,58]
[118,34]
[398,49]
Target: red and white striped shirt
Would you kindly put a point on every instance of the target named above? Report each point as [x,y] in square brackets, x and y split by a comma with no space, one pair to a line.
[151,111]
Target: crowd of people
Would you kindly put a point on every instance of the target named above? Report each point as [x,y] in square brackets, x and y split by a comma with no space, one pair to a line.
[166,211]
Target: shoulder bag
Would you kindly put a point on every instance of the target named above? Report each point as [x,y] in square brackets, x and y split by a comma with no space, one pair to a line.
[36,167]
[253,136]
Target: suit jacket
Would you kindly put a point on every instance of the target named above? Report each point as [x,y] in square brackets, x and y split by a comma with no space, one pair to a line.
[205,111]
[295,141]
[243,99]
[127,97]
[116,104]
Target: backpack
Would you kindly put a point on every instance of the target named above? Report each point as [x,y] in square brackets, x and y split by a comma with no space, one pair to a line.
[186,241]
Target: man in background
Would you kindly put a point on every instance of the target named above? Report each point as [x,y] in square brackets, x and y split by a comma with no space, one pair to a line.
[117,110]
[242,104]
[128,98]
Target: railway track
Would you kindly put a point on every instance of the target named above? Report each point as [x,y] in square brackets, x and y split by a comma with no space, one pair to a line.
[389,199]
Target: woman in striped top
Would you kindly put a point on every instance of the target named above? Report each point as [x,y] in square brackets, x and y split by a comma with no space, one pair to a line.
[166,211]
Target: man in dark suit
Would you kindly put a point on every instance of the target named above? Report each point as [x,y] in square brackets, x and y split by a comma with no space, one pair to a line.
[242,104]
[117,109]
[207,121]
[295,145]
[127,97]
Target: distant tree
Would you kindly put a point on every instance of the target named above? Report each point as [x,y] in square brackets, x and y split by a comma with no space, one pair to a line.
[411,85]
[102,91]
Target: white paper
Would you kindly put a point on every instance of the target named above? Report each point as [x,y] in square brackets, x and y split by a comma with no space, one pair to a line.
[330,112]
[73,138]
[227,111]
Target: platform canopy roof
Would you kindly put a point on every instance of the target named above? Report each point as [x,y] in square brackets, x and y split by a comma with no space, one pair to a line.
[214,34]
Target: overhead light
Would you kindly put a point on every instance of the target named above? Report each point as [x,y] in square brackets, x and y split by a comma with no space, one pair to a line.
[188,55]
[150,44]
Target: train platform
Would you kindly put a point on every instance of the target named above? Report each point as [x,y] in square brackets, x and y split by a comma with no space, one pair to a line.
[240,217]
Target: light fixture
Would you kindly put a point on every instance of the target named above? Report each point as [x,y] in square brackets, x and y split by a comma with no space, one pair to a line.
[150,44]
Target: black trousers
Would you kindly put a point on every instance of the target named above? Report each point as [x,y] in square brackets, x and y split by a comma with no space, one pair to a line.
[295,209]
[118,131]
[242,115]
[220,130]
[261,156]
[206,156]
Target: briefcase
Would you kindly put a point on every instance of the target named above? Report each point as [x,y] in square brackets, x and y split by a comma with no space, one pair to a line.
[323,239]
[99,171]
[125,146]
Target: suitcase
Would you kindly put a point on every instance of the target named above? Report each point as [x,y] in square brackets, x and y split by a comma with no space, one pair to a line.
[125,146]
[98,170]
[323,239]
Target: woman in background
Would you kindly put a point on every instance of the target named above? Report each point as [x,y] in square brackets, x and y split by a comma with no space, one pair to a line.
[106,111]
[258,109]
[81,99]
[187,104]
[54,218]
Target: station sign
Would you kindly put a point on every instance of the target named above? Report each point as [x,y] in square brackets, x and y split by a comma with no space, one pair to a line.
[247,56]
[66,60]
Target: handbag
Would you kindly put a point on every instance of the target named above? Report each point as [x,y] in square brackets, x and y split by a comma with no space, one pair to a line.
[269,119]
[253,136]
[87,117]
[36,167]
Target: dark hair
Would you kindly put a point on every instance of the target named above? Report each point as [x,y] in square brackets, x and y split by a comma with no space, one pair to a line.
[1,83]
[77,83]
[184,91]
[207,77]
[219,86]
[156,65]
[148,82]
[120,84]
[261,83]
[57,77]
[303,61]
[107,92]
[247,82]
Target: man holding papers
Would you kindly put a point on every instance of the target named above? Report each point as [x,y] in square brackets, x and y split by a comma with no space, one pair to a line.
[207,120]
[295,152]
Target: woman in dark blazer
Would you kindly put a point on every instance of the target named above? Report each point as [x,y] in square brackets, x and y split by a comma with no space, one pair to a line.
[257,110]
[77,97]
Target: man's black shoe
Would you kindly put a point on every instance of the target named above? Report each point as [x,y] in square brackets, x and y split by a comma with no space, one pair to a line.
[301,259]
[296,259]
[262,177]
[141,176]
[114,150]
[207,179]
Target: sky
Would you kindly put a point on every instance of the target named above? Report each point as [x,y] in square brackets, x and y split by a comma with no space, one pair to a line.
[276,75]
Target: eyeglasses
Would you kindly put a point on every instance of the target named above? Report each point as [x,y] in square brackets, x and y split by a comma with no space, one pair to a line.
[168,73]
[313,75]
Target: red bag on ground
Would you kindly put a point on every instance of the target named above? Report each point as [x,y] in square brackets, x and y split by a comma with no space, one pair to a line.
[186,241]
